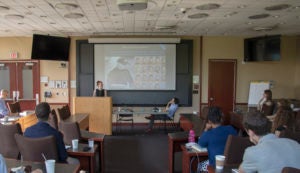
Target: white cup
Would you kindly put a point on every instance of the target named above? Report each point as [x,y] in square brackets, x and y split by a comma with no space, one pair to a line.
[220,161]
[75,143]
[91,143]
[50,166]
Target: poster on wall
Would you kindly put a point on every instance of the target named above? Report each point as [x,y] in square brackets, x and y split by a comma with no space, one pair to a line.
[64,84]
[58,84]
[51,84]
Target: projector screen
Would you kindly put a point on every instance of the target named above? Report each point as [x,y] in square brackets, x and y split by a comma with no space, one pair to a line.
[136,66]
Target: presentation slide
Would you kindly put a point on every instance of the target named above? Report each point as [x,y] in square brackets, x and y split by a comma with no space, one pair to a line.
[136,66]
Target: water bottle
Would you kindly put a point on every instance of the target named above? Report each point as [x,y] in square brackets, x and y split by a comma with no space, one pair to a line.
[192,136]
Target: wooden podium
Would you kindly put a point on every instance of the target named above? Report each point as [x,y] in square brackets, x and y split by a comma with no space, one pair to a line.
[99,110]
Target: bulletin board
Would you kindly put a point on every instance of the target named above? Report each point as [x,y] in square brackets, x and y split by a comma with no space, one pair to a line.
[256,91]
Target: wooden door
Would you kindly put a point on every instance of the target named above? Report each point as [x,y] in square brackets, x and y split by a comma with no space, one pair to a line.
[221,87]
[23,77]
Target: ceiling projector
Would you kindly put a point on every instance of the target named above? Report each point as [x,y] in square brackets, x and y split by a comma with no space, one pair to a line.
[132,4]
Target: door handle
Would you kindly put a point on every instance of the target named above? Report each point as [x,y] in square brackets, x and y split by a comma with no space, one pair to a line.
[211,99]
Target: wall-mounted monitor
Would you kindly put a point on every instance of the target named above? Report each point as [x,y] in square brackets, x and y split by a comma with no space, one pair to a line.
[45,47]
[262,48]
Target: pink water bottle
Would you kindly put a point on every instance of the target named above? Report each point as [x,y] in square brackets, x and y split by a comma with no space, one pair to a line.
[192,136]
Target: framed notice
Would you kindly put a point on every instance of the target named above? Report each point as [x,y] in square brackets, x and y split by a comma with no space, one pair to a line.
[64,84]
[58,84]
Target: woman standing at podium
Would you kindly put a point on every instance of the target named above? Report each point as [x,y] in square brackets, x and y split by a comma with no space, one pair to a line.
[99,91]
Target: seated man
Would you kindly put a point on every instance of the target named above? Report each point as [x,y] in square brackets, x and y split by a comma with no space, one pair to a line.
[214,136]
[270,153]
[3,109]
[170,110]
[42,129]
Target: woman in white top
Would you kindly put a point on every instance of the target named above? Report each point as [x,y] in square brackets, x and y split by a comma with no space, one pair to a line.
[266,100]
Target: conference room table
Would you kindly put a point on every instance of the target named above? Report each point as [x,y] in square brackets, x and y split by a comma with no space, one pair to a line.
[59,167]
[226,169]
[81,118]
[188,155]
[98,139]
[87,158]
[187,121]
[25,119]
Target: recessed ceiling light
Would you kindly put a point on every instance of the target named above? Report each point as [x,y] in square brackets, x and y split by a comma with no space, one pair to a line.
[14,17]
[30,6]
[162,27]
[68,6]
[209,6]
[242,6]
[277,7]
[259,16]
[73,15]
[4,8]
[230,14]
[264,28]
[198,16]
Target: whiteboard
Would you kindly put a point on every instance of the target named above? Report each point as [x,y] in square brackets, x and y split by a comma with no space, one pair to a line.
[256,91]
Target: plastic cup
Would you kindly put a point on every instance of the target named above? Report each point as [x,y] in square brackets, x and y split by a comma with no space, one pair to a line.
[75,143]
[91,143]
[220,161]
[50,166]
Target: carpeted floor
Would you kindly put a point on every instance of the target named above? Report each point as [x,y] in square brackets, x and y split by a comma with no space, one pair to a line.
[134,151]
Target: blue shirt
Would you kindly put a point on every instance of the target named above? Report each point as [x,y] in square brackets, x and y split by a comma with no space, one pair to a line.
[215,140]
[43,129]
[271,154]
[3,109]
[172,109]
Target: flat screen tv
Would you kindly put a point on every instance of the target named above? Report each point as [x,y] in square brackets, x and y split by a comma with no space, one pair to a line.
[262,48]
[45,47]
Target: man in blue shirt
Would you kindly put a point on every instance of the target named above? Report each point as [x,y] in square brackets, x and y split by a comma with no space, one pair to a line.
[3,109]
[42,129]
[214,136]
[170,110]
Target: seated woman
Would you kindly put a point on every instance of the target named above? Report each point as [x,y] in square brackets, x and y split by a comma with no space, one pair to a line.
[171,108]
[284,117]
[214,136]
[281,103]
[266,104]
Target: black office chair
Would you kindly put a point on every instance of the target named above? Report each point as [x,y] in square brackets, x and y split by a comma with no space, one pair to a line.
[165,119]
[127,116]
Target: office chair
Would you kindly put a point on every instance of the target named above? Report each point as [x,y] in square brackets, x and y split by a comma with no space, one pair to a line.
[70,131]
[31,149]
[234,150]
[64,112]
[14,107]
[291,135]
[127,117]
[9,148]
[290,170]
[53,121]
[164,118]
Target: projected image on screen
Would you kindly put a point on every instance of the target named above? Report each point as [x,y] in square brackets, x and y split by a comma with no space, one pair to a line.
[136,67]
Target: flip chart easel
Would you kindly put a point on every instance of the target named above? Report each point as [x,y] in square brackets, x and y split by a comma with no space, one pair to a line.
[256,91]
